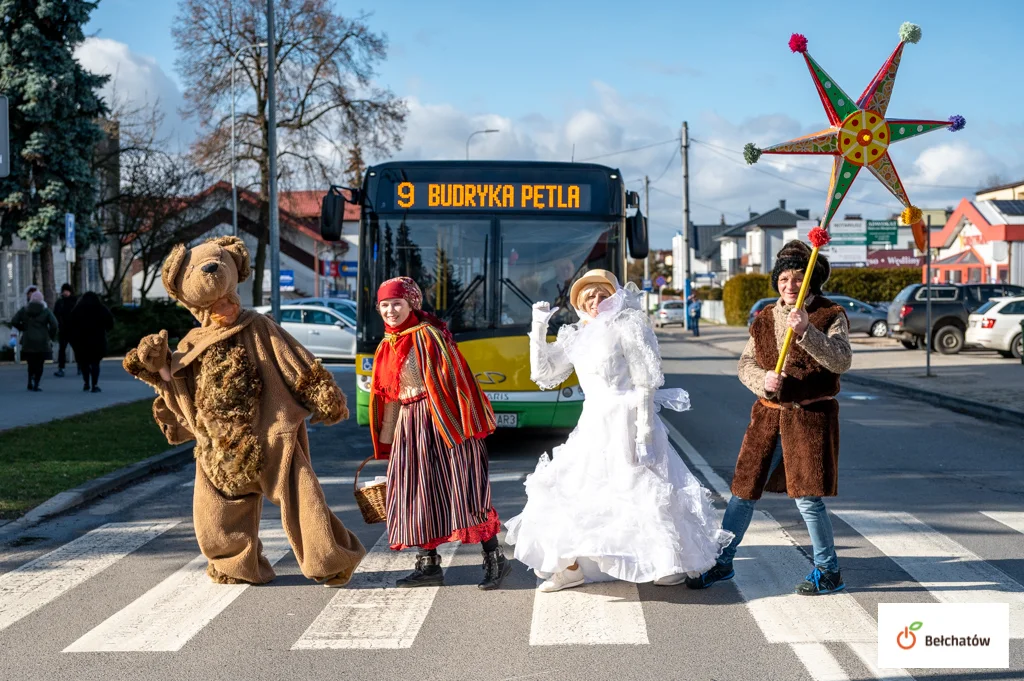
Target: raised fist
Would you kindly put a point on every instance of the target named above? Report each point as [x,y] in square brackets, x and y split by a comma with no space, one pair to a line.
[154,354]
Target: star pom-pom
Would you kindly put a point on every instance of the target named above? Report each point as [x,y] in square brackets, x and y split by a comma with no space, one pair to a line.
[911,215]
[798,43]
[751,153]
[957,123]
[818,237]
[910,33]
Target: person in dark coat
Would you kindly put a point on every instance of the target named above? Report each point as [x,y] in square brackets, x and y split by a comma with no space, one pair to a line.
[39,329]
[90,322]
[62,311]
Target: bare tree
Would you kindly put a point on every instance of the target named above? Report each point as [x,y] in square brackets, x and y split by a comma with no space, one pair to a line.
[151,206]
[326,98]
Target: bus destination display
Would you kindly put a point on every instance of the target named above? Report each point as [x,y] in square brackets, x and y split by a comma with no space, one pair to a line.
[492,196]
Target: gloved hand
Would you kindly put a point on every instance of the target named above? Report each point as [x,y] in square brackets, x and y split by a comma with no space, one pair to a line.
[542,312]
[644,454]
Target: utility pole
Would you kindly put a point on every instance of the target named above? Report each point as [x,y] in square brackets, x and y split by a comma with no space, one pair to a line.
[275,235]
[684,147]
[647,258]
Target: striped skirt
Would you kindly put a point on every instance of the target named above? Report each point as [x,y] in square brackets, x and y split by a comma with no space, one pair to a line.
[435,494]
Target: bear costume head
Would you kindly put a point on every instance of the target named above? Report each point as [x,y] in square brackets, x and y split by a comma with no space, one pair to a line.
[205,278]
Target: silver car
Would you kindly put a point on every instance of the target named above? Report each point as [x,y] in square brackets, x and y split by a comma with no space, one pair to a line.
[670,312]
[321,330]
[343,306]
[864,318]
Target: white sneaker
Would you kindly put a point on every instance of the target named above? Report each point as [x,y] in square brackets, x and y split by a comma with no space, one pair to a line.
[566,579]
[670,580]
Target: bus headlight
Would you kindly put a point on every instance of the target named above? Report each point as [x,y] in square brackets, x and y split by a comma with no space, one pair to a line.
[363,383]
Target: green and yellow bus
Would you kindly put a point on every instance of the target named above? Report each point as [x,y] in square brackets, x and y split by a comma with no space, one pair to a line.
[485,240]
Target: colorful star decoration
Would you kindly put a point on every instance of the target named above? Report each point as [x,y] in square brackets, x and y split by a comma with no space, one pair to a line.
[860,133]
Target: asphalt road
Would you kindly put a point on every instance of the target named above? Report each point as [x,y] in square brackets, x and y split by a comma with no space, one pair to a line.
[116,591]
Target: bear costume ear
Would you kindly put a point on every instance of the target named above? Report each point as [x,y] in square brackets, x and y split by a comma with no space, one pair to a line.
[240,254]
[171,269]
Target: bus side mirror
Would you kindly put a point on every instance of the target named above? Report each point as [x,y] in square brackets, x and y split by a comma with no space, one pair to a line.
[636,235]
[332,215]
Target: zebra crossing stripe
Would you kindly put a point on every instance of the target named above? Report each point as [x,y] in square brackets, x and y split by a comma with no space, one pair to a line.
[768,565]
[950,572]
[167,616]
[603,613]
[40,581]
[371,613]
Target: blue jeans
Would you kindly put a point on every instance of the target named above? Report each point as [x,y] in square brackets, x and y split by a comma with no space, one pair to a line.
[695,325]
[739,512]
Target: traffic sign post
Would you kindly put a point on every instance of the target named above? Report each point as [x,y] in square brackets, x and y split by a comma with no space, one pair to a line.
[5,139]
[69,237]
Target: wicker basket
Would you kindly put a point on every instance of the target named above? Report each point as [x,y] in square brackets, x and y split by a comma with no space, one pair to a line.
[371,500]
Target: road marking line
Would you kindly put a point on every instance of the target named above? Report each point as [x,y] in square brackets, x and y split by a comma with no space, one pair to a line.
[167,616]
[371,613]
[349,479]
[1012,519]
[775,564]
[40,581]
[950,572]
[602,613]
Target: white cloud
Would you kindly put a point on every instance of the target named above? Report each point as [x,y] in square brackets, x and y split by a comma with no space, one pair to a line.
[137,80]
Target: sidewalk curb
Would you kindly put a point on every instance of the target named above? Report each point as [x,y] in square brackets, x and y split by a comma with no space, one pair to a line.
[962,405]
[86,492]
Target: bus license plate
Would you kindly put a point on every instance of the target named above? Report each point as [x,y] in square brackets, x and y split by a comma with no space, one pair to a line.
[507,420]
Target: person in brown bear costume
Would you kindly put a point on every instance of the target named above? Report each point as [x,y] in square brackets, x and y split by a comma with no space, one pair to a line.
[792,443]
[242,388]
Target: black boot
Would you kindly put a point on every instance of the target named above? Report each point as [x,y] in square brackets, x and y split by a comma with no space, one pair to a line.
[496,567]
[428,572]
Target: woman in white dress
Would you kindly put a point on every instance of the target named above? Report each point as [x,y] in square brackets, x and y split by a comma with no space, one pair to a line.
[615,501]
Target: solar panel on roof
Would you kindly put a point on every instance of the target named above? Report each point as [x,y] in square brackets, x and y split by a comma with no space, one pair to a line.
[1009,207]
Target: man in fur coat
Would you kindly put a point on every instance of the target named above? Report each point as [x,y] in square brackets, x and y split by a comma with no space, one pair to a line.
[242,388]
[792,443]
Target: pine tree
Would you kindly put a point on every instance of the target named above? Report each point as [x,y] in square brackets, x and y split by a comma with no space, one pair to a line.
[54,105]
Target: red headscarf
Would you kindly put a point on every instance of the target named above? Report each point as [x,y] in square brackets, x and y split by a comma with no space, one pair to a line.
[396,346]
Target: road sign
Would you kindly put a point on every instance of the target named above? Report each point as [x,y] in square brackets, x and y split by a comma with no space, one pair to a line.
[882,232]
[287,279]
[5,139]
[69,237]
[647,285]
[660,281]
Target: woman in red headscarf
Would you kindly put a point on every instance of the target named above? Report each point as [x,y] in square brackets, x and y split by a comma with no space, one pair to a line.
[430,418]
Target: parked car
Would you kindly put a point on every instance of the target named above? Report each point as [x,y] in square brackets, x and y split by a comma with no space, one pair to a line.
[671,312]
[322,330]
[952,304]
[996,325]
[343,306]
[863,317]
[757,307]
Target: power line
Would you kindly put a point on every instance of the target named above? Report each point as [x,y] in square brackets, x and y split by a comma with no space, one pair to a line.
[696,203]
[629,151]
[667,165]
[828,172]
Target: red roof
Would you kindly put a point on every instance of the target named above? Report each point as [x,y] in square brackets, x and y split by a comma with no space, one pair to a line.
[306,204]
[966,210]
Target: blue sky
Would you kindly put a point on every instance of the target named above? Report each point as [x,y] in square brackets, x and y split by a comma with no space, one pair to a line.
[602,76]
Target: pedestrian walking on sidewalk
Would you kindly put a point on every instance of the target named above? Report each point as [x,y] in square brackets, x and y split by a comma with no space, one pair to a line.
[693,309]
[429,418]
[614,501]
[39,330]
[792,443]
[62,311]
[90,322]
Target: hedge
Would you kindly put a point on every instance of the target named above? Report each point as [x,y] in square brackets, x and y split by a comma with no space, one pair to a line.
[872,285]
[708,293]
[740,294]
[132,323]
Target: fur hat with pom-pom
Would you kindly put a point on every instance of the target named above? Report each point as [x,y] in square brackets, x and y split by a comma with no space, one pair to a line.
[794,256]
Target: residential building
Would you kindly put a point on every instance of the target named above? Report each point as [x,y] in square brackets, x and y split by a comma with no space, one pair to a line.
[982,241]
[1004,192]
[750,246]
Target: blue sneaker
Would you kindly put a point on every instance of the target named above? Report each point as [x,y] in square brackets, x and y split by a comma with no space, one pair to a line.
[718,573]
[821,582]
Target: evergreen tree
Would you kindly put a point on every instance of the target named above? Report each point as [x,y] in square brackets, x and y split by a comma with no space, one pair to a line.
[54,105]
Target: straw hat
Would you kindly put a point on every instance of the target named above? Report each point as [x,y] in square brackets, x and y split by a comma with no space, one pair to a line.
[601,277]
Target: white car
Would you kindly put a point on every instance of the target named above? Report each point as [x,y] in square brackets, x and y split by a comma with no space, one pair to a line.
[324,332]
[996,326]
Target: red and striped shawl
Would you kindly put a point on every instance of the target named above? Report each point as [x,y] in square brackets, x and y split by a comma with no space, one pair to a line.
[459,409]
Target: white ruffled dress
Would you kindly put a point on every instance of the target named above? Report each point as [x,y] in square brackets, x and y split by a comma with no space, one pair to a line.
[593,502]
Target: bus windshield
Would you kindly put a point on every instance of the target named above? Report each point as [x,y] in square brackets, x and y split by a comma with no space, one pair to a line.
[484,273]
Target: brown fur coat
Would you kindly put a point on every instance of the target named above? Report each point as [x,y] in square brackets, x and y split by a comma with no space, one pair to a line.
[810,434]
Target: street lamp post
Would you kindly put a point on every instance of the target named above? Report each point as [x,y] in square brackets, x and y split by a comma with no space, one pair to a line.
[478,132]
[234,189]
